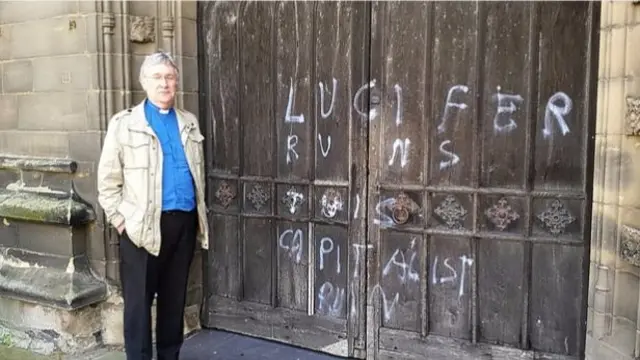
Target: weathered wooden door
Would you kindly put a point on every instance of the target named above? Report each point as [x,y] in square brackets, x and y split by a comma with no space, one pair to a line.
[480,168]
[287,169]
[400,180]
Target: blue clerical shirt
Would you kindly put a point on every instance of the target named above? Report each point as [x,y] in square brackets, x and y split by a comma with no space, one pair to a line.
[177,182]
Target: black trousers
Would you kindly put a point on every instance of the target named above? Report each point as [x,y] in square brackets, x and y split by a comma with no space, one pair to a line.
[144,275]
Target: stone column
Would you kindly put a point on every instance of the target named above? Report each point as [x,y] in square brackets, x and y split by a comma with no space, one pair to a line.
[614,289]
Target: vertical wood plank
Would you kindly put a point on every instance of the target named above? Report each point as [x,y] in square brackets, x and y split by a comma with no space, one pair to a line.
[222,72]
[293,265]
[450,261]
[225,270]
[505,94]
[365,107]
[403,92]
[561,115]
[360,29]
[258,247]
[454,89]
[255,85]
[400,280]
[333,88]
[331,250]
[499,291]
[556,297]
[294,79]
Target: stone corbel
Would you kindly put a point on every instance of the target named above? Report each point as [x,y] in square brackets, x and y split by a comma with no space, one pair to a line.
[62,280]
[42,204]
[632,116]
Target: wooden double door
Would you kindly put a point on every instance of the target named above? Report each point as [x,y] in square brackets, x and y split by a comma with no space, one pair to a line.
[400,180]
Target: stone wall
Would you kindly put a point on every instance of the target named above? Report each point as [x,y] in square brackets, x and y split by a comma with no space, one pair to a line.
[614,291]
[66,67]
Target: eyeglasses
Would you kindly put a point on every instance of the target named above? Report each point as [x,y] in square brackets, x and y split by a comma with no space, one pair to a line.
[158,77]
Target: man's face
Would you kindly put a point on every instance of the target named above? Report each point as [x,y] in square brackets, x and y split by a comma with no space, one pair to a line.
[160,83]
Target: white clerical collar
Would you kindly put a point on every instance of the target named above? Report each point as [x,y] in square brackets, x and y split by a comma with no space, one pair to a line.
[158,109]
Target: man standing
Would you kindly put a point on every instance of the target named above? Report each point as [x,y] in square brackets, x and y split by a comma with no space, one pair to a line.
[151,188]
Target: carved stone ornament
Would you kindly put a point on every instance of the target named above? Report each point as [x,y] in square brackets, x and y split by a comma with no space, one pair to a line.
[331,203]
[630,245]
[501,214]
[258,197]
[556,217]
[225,194]
[142,29]
[451,212]
[293,200]
[632,117]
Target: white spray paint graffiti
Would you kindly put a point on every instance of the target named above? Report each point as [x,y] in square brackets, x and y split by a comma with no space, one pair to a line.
[324,250]
[453,274]
[357,207]
[373,112]
[398,90]
[558,107]
[407,271]
[559,112]
[449,104]
[331,205]
[292,141]
[384,220]
[404,152]
[322,150]
[358,257]
[331,299]
[296,199]
[326,114]
[453,158]
[388,307]
[288,118]
[506,104]
[295,247]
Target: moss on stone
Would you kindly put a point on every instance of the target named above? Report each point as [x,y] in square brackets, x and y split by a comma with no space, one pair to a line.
[51,286]
[44,208]
[9,352]
[38,164]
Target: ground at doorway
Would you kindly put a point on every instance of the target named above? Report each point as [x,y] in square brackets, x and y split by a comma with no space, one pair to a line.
[204,345]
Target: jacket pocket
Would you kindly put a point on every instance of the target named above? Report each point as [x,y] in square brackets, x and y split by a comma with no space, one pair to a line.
[133,220]
[195,144]
[136,152]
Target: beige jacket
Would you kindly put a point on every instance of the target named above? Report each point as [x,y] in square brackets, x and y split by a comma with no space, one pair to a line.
[130,175]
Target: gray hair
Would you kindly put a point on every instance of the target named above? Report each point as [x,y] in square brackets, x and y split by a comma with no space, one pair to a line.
[156,58]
